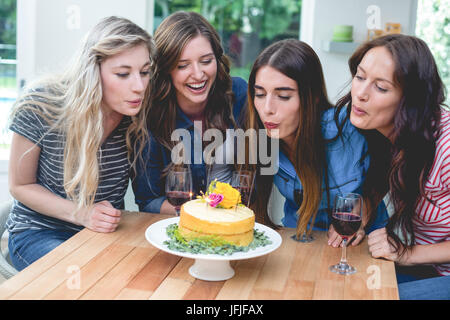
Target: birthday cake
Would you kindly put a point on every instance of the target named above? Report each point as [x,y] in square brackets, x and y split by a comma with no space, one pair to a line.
[218,214]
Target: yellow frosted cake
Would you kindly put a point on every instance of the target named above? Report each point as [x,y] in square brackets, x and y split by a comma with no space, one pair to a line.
[232,225]
[219,215]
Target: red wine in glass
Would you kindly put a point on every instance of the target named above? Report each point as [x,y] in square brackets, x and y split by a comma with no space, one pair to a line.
[177,198]
[346,224]
[346,220]
[178,187]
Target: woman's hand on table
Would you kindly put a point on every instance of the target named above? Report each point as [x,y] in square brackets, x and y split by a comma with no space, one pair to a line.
[335,240]
[101,217]
[381,247]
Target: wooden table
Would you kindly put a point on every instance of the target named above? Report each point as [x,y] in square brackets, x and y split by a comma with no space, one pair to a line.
[123,265]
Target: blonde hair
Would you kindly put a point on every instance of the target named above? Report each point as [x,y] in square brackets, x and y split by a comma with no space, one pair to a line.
[71,104]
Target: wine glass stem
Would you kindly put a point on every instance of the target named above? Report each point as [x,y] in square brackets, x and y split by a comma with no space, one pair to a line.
[344,251]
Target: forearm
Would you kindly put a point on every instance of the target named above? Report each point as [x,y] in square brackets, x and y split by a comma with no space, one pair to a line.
[41,200]
[427,254]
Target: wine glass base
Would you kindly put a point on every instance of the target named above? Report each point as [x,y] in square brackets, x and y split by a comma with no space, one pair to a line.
[343,268]
[303,238]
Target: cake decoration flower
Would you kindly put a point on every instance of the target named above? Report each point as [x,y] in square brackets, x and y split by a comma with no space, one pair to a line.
[221,195]
[231,196]
[214,199]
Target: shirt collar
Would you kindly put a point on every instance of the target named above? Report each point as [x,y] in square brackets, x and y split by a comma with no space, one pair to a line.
[182,120]
[286,165]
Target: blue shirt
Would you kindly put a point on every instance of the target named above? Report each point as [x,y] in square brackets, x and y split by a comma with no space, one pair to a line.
[346,172]
[148,186]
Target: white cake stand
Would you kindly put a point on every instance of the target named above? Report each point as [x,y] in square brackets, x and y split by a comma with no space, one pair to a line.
[210,267]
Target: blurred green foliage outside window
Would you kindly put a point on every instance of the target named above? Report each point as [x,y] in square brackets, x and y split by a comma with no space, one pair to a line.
[245,26]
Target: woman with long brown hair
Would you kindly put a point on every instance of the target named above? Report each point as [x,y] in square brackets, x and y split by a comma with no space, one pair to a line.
[397,102]
[191,85]
[316,161]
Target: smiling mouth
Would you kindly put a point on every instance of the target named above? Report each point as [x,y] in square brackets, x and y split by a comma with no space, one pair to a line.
[197,86]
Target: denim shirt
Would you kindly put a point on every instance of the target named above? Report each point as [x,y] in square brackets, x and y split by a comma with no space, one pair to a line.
[148,185]
[346,172]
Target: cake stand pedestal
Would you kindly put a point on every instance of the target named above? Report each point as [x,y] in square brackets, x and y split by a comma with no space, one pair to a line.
[211,270]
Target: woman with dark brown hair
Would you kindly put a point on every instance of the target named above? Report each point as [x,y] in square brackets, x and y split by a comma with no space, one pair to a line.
[397,102]
[191,84]
[288,99]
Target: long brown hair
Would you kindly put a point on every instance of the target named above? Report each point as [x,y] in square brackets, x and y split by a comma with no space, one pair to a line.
[171,37]
[298,61]
[404,165]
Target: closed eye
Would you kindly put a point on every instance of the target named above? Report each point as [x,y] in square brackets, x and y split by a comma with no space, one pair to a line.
[381,89]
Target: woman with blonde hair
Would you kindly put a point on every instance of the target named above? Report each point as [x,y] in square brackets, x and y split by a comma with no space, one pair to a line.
[73,137]
[191,84]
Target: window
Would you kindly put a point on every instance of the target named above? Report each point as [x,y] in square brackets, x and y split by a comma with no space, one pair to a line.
[8,90]
[246,27]
[433,26]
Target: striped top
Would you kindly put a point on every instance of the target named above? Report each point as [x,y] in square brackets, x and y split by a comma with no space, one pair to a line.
[432,223]
[114,170]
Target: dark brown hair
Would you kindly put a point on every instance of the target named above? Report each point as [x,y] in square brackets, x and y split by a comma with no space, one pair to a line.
[298,61]
[403,166]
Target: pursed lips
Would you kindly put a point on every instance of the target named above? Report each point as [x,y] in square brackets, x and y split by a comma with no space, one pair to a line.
[136,101]
[271,125]
[358,110]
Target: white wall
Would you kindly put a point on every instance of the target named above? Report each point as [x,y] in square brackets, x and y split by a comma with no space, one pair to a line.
[49,31]
[320,16]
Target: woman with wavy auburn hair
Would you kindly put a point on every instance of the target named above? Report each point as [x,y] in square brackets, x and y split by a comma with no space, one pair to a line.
[74,135]
[316,161]
[191,84]
[397,102]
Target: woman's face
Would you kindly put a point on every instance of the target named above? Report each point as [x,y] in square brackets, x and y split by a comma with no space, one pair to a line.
[277,102]
[375,95]
[194,75]
[125,77]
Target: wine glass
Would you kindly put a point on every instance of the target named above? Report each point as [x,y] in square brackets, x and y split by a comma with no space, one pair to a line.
[243,180]
[346,220]
[178,187]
